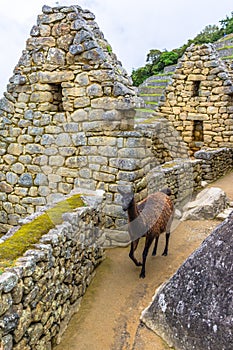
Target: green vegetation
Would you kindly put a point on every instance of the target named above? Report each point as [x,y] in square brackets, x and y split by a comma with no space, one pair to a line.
[29,234]
[227,57]
[151,102]
[225,48]
[109,48]
[157,60]
[150,94]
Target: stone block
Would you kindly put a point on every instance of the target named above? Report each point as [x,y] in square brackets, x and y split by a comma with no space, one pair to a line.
[207,205]
[55,77]
[191,310]
[15,149]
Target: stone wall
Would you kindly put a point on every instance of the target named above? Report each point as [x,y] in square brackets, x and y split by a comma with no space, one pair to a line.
[193,309]
[45,287]
[68,85]
[199,99]
[182,177]
[215,162]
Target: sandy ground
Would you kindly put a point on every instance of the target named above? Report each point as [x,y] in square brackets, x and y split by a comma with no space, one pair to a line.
[109,317]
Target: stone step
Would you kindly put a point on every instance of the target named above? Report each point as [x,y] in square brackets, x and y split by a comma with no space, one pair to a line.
[225,52]
[150,89]
[225,41]
[151,97]
[151,104]
[157,81]
[144,113]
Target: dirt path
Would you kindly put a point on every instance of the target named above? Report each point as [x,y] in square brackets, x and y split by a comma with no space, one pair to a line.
[109,315]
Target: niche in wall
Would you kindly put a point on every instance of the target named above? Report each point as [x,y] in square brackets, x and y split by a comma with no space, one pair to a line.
[56,90]
[196,88]
[198,131]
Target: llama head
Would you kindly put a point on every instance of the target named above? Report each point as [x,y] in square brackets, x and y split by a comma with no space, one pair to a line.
[126,198]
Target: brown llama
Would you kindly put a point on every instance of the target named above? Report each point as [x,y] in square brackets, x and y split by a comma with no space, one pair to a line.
[149,219]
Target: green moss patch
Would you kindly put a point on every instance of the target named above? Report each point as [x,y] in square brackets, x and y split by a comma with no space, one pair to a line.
[227,57]
[160,80]
[225,48]
[150,102]
[29,234]
[150,94]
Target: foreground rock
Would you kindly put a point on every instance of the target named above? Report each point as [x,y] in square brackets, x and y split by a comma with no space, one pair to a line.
[208,204]
[193,310]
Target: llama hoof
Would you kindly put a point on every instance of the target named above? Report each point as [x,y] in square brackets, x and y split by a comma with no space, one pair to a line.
[164,254]
[142,275]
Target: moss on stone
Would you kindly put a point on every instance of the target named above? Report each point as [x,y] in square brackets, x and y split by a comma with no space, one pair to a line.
[30,233]
[227,57]
[225,47]
[160,80]
[150,102]
[151,95]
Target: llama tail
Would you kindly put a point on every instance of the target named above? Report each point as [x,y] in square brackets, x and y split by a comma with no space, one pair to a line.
[167,191]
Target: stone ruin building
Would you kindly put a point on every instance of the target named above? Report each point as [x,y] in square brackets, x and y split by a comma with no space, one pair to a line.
[67,118]
[196,96]
[67,121]
[199,100]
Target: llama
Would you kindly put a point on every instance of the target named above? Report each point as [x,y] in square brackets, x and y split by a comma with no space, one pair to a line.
[149,219]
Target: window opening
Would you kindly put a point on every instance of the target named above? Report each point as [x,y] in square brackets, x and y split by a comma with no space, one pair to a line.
[56,90]
[196,88]
[198,130]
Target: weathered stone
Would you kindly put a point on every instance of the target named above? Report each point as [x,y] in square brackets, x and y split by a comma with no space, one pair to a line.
[11,178]
[6,303]
[76,49]
[63,140]
[25,180]
[208,204]
[55,77]
[6,105]
[7,342]
[15,149]
[190,310]
[40,180]
[51,18]
[94,90]
[56,56]
[4,187]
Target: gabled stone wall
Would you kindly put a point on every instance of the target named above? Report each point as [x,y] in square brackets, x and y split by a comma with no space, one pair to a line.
[199,100]
[65,103]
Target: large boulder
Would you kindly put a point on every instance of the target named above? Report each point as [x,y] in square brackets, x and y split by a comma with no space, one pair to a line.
[207,205]
[194,309]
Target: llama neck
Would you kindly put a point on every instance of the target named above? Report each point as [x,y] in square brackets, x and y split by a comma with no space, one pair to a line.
[133,211]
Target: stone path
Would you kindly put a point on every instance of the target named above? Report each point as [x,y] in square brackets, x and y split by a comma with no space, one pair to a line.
[109,316]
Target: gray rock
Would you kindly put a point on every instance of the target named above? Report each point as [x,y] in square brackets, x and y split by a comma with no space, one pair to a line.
[8,281]
[25,180]
[76,49]
[193,310]
[208,204]
[82,36]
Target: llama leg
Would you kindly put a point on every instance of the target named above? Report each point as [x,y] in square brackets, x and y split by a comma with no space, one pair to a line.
[134,245]
[155,246]
[149,240]
[166,245]
[168,228]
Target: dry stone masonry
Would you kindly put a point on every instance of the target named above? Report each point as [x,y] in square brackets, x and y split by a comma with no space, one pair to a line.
[193,310]
[45,287]
[199,99]
[64,115]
